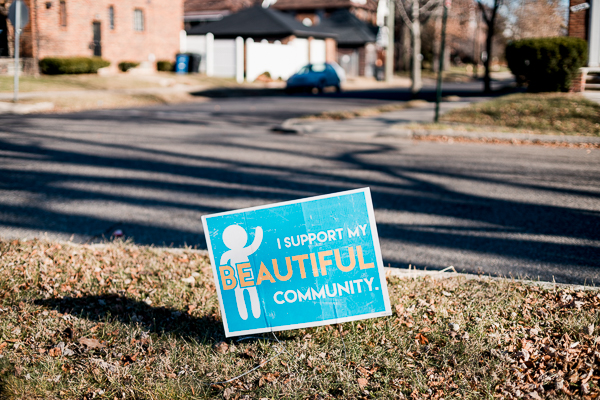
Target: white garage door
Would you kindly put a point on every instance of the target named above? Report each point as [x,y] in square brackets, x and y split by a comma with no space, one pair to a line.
[317,51]
[224,51]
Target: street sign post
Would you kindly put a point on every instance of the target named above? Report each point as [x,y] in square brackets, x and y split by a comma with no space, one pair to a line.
[18,15]
[297,264]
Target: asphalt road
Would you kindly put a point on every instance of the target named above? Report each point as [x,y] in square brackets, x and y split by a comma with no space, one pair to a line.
[497,209]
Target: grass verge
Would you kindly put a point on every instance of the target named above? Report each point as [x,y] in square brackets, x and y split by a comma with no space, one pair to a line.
[122,321]
[47,83]
[111,100]
[548,113]
[365,112]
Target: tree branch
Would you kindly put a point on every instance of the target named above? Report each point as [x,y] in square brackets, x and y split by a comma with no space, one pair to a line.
[430,3]
[482,8]
[403,14]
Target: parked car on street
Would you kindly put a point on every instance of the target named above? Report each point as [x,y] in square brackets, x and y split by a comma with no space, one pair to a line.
[315,76]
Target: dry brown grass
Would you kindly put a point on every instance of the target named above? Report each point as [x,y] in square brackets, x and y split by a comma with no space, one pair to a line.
[550,113]
[125,321]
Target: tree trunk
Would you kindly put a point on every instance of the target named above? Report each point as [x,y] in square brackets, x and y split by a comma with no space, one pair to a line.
[491,24]
[487,79]
[416,49]
[406,45]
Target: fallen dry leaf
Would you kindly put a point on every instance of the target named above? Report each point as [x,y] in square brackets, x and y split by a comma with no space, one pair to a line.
[422,339]
[91,343]
[362,382]
[221,347]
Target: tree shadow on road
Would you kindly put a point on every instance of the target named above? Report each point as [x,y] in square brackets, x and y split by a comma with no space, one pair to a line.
[193,174]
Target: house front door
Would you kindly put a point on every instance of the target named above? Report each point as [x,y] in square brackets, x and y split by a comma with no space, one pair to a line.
[97,39]
[3,36]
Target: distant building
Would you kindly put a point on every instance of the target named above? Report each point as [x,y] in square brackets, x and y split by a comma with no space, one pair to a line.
[584,23]
[258,40]
[199,12]
[124,30]
[316,10]
[353,22]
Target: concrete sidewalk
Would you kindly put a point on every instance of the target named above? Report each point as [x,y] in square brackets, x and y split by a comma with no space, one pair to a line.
[94,92]
[594,96]
[395,125]
[367,126]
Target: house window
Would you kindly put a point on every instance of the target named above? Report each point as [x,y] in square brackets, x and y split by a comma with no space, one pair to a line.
[62,13]
[111,17]
[138,20]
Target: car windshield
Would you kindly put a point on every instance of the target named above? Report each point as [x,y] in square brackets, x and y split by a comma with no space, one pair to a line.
[311,68]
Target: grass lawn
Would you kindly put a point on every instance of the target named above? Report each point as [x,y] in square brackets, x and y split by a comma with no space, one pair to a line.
[551,113]
[122,321]
[47,83]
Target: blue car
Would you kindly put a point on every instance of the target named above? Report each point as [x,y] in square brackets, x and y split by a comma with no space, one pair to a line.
[314,77]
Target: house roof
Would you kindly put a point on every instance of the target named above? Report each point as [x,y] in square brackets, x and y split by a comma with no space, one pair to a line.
[198,6]
[349,29]
[259,22]
[324,4]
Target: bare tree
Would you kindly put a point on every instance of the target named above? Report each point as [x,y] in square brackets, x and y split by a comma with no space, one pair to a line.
[490,14]
[418,13]
[549,18]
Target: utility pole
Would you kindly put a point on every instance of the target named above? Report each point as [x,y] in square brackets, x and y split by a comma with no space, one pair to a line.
[389,53]
[18,15]
[438,97]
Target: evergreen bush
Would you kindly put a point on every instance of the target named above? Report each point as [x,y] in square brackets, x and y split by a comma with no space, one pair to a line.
[72,65]
[127,65]
[165,65]
[546,64]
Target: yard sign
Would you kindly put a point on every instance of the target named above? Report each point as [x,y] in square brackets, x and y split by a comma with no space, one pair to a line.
[297,264]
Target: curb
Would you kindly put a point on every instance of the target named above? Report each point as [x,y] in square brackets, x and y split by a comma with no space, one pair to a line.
[404,133]
[20,109]
[403,273]
[298,126]
[293,126]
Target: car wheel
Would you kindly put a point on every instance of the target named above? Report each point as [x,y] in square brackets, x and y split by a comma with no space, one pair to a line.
[321,86]
[338,88]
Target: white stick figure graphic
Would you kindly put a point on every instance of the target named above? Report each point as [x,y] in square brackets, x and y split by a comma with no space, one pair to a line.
[235,238]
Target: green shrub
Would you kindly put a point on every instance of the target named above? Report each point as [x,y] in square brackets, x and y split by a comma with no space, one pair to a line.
[97,63]
[165,65]
[546,64]
[127,65]
[72,65]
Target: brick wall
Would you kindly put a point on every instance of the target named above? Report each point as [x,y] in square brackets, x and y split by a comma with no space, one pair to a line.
[330,50]
[163,20]
[578,22]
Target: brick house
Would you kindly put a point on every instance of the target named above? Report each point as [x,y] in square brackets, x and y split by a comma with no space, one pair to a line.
[584,23]
[123,30]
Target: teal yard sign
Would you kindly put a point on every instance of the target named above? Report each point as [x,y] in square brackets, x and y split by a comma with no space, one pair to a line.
[298,264]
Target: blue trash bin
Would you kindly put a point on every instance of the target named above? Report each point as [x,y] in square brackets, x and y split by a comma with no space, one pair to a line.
[182,62]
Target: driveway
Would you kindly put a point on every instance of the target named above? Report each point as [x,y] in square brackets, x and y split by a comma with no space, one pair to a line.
[495,209]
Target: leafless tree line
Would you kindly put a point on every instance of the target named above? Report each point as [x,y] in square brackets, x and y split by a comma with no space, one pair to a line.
[477,30]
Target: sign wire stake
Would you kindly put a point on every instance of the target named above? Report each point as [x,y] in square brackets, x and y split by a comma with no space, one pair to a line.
[259,365]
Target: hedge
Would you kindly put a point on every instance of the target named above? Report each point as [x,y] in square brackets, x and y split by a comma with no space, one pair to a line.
[72,65]
[165,65]
[546,64]
[127,65]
